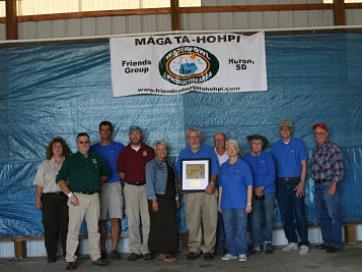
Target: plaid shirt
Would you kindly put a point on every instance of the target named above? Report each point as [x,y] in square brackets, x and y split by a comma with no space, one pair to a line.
[327,162]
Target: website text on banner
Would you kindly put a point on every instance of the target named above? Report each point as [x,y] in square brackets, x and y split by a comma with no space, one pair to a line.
[176,64]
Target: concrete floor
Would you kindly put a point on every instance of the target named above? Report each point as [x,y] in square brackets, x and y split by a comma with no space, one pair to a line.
[348,260]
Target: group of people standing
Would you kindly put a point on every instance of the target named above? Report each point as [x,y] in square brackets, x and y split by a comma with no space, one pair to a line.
[95,183]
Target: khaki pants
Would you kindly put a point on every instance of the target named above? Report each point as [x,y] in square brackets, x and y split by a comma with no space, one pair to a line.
[87,209]
[201,216]
[136,208]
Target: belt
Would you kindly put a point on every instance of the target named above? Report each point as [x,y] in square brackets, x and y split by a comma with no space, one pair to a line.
[320,181]
[53,193]
[86,193]
[290,179]
[141,183]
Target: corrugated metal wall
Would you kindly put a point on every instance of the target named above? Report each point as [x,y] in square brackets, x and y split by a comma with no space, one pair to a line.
[205,21]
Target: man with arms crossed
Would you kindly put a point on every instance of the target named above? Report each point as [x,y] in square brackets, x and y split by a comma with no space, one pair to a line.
[111,194]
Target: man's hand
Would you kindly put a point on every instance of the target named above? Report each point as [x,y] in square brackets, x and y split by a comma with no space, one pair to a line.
[177,204]
[248,209]
[259,192]
[74,200]
[155,206]
[38,204]
[299,189]
[332,188]
[210,188]
[219,209]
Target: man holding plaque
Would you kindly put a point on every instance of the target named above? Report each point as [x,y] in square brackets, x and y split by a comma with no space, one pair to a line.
[197,169]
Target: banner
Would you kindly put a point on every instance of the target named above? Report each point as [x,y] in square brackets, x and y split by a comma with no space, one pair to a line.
[176,64]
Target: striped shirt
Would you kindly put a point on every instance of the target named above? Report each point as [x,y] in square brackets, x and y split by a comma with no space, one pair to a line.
[327,162]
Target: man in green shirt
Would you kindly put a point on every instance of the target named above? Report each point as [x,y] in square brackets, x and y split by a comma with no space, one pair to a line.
[80,179]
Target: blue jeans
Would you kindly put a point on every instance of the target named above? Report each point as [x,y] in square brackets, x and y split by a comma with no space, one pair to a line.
[220,233]
[235,224]
[292,210]
[329,215]
[262,219]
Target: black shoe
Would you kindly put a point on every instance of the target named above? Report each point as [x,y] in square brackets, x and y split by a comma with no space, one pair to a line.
[268,248]
[52,259]
[148,257]
[104,254]
[134,257]
[321,246]
[193,256]
[100,262]
[220,252]
[208,256]
[71,266]
[115,255]
[331,249]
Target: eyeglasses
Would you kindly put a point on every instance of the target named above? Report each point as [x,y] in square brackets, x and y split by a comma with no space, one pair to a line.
[86,142]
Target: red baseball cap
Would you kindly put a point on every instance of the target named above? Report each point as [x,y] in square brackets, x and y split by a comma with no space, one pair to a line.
[322,126]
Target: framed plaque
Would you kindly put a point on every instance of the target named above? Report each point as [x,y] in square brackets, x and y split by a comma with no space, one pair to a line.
[195,174]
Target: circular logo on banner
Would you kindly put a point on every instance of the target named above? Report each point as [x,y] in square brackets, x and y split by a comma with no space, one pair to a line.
[187,65]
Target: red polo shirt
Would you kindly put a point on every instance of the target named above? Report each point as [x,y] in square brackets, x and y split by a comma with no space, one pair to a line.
[133,163]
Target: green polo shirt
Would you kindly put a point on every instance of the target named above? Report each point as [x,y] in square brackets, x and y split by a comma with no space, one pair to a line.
[83,174]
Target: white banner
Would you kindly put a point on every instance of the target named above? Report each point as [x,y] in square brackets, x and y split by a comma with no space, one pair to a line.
[176,64]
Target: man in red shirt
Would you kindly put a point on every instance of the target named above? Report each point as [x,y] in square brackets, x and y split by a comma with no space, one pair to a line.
[131,165]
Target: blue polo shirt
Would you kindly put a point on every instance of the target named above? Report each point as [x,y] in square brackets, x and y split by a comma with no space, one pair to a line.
[109,153]
[288,157]
[234,180]
[204,152]
[263,170]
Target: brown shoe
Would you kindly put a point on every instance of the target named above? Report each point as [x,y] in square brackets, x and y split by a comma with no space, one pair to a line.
[100,262]
[71,266]
[169,259]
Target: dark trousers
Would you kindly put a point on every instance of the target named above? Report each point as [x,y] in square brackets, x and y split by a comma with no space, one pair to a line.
[220,233]
[292,209]
[55,222]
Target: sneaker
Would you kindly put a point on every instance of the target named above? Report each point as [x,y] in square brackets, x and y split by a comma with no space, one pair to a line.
[228,257]
[303,250]
[268,248]
[257,250]
[290,247]
[243,258]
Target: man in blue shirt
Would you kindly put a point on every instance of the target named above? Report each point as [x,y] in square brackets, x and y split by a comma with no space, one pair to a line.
[201,207]
[291,159]
[222,156]
[263,169]
[111,194]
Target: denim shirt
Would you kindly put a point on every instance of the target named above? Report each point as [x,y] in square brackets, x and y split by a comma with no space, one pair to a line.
[156,178]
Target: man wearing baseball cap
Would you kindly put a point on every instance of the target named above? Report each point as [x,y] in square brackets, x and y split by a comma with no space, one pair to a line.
[328,171]
[263,170]
[131,165]
[291,156]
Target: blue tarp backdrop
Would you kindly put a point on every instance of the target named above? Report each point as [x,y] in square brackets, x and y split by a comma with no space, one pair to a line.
[65,88]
